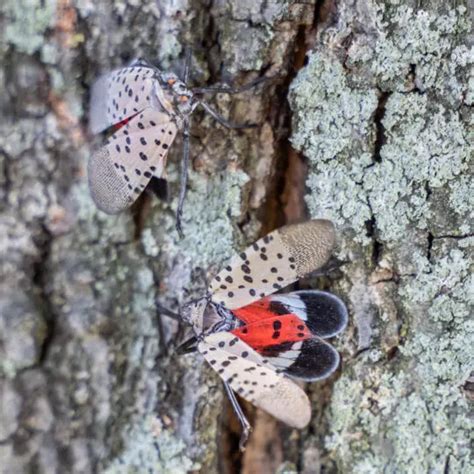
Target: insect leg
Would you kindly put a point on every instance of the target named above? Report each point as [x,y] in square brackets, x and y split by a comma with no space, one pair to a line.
[161,310]
[187,346]
[226,89]
[184,177]
[223,121]
[246,428]
[330,266]
[166,312]
[187,63]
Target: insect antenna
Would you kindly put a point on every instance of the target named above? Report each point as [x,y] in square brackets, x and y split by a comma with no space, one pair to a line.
[226,89]
[246,428]
[187,64]
[166,312]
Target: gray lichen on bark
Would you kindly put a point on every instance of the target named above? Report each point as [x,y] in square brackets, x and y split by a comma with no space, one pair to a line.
[85,385]
[381,111]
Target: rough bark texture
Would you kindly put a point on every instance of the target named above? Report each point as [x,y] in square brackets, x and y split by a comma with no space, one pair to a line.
[380,115]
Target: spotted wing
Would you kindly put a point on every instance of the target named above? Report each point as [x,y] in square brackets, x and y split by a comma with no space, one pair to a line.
[273,262]
[255,379]
[121,94]
[120,170]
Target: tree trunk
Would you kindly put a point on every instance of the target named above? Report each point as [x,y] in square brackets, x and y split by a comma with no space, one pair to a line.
[379,105]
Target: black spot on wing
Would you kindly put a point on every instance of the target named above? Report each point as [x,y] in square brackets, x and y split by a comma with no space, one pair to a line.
[245,268]
[278,308]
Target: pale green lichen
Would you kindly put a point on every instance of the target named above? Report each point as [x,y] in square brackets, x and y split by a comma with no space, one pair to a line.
[212,204]
[385,414]
[422,39]
[151,448]
[461,202]
[27,21]
[426,146]
[252,28]
[331,124]
[420,407]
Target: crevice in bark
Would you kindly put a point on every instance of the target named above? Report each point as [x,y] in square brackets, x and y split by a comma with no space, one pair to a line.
[412,79]
[430,240]
[379,114]
[293,180]
[284,202]
[446,465]
[392,353]
[7,181]
[468,387]
[377,246]
[428,190]
[40,280]
[450,236]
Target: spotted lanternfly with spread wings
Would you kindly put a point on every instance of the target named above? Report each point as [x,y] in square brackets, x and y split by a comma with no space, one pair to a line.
[257,340]
[142,109]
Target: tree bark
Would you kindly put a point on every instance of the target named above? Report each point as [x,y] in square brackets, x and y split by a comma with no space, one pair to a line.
[364,120]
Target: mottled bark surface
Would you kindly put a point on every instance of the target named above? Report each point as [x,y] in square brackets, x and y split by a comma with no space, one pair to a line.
[378,116]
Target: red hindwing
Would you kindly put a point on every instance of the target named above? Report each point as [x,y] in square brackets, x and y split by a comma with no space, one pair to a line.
[119,125]
[265,327]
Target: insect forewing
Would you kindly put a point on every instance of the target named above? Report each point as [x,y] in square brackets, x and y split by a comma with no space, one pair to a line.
[253,378]
[273,262]
[119,171]
[119,95]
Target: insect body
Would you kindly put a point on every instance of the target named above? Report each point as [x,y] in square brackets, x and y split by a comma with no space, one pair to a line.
[145,108]
[254,339]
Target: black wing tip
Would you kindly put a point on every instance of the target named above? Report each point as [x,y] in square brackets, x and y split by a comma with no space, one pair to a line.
[317,361]
[329,315]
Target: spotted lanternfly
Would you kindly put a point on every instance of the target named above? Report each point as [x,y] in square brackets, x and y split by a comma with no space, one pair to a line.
[144,109]
[256,340]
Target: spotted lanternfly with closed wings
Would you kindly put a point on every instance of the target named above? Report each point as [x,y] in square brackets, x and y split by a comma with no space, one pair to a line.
[143,109]
[257,340]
